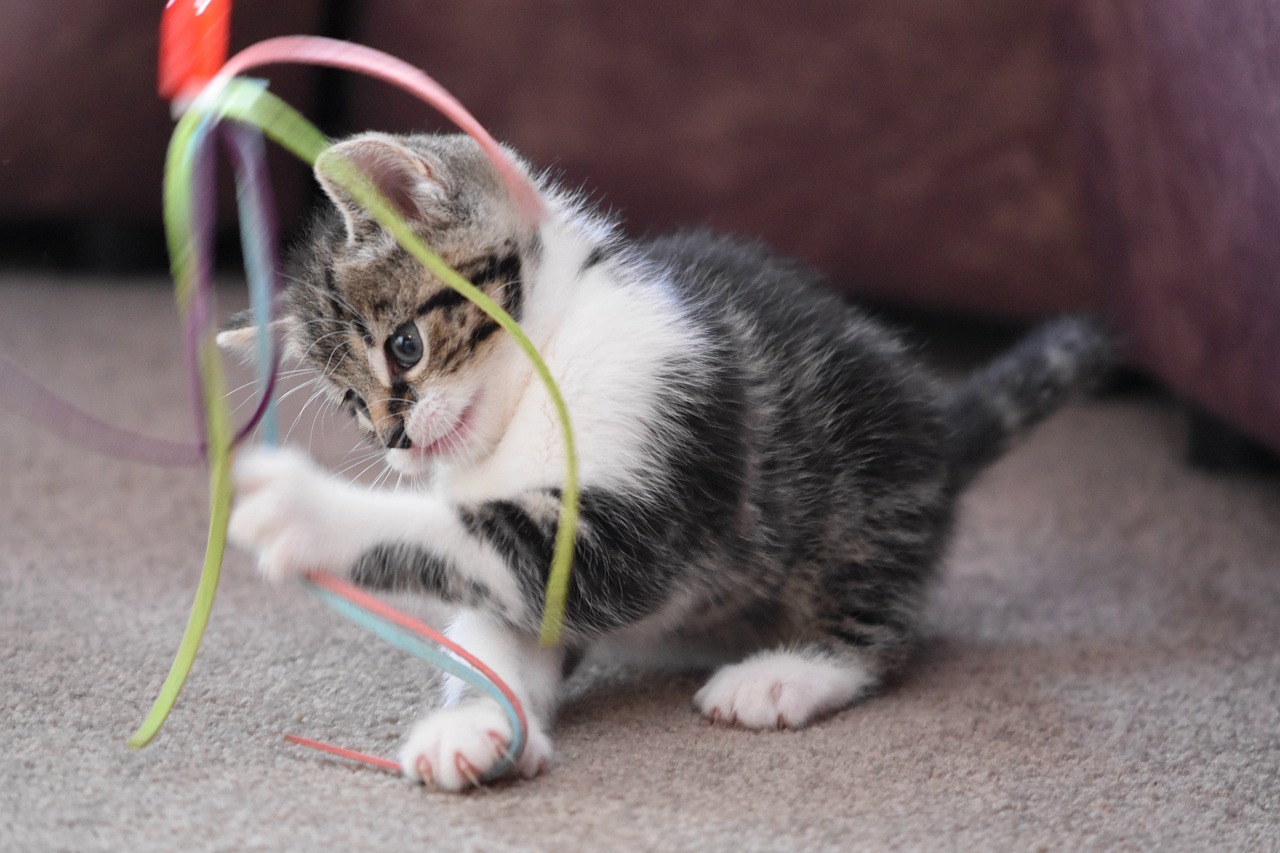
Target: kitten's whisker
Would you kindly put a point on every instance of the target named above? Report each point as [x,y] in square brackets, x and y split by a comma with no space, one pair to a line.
[328,372]
[257,382]
[287,394]
[290,375]
[315,396]
[381,478]
[344,347]
[361,446]
[365,469]
[322,338]
[336,333]
[363,460]
[238,389]
[315,419]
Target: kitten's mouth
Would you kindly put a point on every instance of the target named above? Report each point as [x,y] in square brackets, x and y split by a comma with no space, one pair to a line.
[450,442]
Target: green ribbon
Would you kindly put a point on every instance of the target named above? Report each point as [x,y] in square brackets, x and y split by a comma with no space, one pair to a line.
[252,104]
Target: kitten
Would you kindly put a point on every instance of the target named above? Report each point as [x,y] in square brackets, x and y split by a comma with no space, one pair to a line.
[768,476]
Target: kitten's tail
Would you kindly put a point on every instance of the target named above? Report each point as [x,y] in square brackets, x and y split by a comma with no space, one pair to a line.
[1001,401]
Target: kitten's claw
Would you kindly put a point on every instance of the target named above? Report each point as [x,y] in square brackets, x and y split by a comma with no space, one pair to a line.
[423,767]
[453,749]
[466,770]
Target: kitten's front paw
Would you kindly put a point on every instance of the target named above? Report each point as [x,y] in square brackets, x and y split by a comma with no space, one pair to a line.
[289,512]
[454,748]
[781,690]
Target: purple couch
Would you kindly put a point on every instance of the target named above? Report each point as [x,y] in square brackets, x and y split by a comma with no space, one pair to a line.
[1176,107]
[915,151]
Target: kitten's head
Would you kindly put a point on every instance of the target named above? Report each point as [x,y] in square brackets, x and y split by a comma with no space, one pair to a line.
[413,361]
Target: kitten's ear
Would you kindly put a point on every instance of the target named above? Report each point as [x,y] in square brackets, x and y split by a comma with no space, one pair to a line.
[398,172]
[240,338]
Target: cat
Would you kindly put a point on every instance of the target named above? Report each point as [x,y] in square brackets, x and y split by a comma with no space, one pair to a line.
[768,475]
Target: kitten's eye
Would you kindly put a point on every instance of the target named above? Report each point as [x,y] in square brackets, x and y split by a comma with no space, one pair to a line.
[405,345]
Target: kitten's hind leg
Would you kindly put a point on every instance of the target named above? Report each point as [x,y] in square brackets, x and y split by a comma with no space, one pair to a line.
[452,748]
[785,688]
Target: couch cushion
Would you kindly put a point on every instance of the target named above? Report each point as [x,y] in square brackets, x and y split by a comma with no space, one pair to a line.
[913,150]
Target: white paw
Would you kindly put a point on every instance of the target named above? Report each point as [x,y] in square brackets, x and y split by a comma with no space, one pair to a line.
[781,690]
[454,748]
[290,513]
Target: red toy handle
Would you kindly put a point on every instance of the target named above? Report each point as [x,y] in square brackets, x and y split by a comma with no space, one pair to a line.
[193,45]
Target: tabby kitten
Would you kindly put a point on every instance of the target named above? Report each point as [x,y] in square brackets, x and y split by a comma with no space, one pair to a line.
[768,476]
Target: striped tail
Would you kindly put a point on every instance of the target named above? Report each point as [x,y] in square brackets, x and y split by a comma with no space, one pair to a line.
[998,403]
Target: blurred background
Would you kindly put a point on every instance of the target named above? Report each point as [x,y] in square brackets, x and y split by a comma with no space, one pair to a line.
[974,160]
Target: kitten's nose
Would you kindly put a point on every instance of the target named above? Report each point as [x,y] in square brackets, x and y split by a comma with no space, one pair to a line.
[397,438]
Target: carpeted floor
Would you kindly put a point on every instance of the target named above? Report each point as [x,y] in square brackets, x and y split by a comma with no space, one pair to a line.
[1101,668]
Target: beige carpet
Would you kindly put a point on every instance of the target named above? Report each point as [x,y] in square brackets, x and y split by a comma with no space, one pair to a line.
[1101,668]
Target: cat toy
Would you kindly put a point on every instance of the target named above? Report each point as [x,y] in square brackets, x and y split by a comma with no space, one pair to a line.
[214,102]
